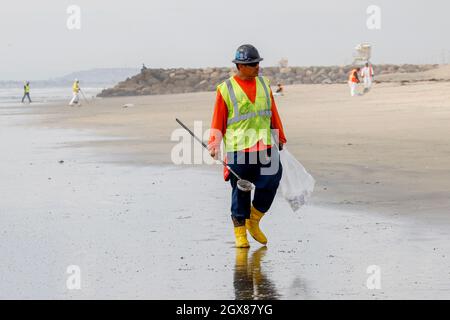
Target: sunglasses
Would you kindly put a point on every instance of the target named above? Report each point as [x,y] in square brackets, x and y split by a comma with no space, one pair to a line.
[254,64]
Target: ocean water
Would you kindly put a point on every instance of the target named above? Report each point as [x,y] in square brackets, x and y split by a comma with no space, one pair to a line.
[13,96]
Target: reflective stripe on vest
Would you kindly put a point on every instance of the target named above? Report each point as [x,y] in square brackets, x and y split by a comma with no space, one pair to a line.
[237,117]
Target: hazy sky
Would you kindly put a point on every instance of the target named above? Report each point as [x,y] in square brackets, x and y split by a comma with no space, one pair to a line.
[36,43]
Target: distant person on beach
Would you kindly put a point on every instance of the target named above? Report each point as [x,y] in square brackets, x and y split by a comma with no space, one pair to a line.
[143,68]
[26,92]
[367,75]
[244,114]
[75,91]
[353,81]
[280,90]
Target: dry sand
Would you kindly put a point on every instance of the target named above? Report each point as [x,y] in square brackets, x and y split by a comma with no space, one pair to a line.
[441,73]
[140,227]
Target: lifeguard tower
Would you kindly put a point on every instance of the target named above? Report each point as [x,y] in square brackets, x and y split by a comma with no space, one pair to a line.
[362,53]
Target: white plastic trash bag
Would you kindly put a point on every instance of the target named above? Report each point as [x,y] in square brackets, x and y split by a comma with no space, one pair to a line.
[296,185]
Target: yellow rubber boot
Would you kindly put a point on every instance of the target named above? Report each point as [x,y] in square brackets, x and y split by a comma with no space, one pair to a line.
[241,237]
[252,226]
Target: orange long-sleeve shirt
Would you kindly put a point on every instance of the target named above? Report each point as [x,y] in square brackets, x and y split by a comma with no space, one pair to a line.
[220,117]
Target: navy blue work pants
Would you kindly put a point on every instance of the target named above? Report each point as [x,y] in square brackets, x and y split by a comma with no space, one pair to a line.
[264,170]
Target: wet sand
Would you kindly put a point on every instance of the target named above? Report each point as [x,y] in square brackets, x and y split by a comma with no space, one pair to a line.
[139,227]
[387,151]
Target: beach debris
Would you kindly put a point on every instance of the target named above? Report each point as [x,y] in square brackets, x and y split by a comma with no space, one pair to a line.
[128,105]
[185,217]
[296,185]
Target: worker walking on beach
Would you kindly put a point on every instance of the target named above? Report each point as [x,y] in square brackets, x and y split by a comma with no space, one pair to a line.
[353,81]
[367,75]
[244,114]
[75,91]
[26,92]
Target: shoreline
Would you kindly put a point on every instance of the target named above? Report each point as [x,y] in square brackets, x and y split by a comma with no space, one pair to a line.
[356,162]
[146,230]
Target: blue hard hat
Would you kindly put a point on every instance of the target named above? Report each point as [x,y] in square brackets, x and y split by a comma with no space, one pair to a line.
[246,54]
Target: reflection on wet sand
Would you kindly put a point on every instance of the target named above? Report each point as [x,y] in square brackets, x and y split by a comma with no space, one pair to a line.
[249,281]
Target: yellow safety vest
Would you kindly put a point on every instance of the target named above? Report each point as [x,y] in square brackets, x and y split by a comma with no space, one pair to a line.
[27,88]
[247,122]
[75,87]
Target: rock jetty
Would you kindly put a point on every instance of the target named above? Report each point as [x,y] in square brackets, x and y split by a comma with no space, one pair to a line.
[180,80]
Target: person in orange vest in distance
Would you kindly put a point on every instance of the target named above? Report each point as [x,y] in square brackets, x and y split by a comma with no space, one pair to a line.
[244,114]
[353,80]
